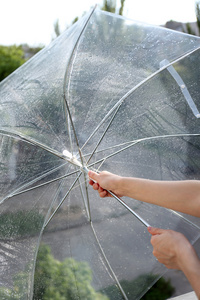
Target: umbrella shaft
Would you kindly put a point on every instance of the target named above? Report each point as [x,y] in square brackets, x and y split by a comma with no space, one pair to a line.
[129,209]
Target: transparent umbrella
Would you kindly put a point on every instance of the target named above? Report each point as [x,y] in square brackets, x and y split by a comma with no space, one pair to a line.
[109,93]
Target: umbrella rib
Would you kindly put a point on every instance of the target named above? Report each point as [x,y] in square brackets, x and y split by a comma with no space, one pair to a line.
[17,135]
[122,99]
[67,76]
[66,93]
[87,208]
[63,199]
[132,143]
[101,138]
[30,140]
[19,191]
[185,219]
[107,262]
[39,240]
[54,199]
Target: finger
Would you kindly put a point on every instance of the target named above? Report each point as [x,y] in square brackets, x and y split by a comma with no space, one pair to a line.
[160,257]
[167,263]
[93,175]
[155,231]
[100,189]
[103,194]
[95,186]
[91,182]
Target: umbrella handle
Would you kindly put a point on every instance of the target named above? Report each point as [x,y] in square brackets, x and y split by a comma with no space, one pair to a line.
[86,170]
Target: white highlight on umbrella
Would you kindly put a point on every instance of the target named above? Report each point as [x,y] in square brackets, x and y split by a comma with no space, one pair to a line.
[71,158]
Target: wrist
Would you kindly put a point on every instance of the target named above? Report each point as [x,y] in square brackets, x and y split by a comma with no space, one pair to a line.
[190,266]
[126,186]
[187,257]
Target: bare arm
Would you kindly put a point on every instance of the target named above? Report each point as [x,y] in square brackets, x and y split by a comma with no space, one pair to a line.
[172,249]
[182,196]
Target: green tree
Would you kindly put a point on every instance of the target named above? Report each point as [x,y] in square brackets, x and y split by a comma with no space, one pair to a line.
[111,6]
[161,290]
[67,280]
[188,26]
[20,224]
[108,5]
[189,29]
[198,14]
[54,280]
[11,57]
[121,8]
[57,30]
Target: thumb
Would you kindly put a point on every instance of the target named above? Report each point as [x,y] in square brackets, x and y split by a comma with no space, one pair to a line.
[155,231]
[93,175]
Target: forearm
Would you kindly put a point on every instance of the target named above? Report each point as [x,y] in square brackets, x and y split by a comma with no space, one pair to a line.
[173,249]
[191,268]
[182,196]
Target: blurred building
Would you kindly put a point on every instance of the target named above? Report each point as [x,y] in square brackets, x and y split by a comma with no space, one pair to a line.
[183,27]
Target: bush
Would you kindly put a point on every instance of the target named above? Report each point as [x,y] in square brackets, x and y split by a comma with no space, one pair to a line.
[11,57]
[161,290]
[54,280]
[20,224]
[67,280]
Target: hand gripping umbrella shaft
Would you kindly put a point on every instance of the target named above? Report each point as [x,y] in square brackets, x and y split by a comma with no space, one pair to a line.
[73,160]
[86,170]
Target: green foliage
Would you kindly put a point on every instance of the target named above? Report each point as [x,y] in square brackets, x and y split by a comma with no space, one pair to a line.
[111,6]
[19,291]
[121,8]
[54,280]
[7,294]
[161,290]
[67,280]
[20,224]
[188,26]
[198,14]
[108,5]
[11,57]
[75,20]
[189,29]
[57,28]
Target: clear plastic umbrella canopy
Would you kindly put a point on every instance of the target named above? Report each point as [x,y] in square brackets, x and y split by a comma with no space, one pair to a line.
[111,94]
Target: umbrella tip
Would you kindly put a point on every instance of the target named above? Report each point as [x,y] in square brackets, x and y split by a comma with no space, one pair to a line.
[72,159]
[67,154]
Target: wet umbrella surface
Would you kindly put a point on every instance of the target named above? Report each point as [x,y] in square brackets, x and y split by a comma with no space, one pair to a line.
[112,94]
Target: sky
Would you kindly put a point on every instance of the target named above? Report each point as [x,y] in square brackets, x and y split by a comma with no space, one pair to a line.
[32,22]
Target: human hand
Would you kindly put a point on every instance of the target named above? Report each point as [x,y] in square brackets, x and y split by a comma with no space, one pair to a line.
[171,248]
[105,181]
